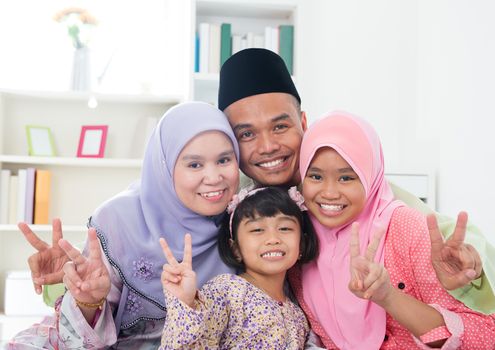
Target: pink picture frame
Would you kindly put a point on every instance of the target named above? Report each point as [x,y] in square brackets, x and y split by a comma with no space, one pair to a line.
[92,141]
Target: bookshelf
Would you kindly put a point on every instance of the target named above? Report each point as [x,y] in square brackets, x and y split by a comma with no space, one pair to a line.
[78,185]
[245,17]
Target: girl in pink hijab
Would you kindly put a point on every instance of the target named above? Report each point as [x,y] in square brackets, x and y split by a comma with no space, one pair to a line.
[373,285]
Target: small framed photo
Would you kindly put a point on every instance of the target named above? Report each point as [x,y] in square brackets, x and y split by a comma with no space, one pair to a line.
[92,141]
[40,141]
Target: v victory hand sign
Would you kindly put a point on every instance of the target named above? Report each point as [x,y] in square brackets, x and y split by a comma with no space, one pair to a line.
[455,262]
[369,280]
[179,279]
[86,278]
[46,265]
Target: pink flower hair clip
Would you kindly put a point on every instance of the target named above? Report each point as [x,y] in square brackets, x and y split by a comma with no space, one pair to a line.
[294,194]
[297,197]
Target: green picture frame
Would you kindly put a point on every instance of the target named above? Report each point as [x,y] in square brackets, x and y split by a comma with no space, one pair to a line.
[40,141]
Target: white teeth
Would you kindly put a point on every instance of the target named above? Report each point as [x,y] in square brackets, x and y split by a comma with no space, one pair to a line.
[272,163]
[270,254]
[211,194]
[331,207]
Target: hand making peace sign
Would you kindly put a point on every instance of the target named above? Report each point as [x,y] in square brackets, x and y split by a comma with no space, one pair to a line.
[369,280]
[179,278]
[46,265]
[86,278]
[456,263]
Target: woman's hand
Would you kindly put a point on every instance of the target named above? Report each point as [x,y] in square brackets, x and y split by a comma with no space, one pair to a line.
[369,280]
[47,264]
[86,278]
[179,278]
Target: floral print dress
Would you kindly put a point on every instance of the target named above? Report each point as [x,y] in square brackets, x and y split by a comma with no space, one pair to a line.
[233,314]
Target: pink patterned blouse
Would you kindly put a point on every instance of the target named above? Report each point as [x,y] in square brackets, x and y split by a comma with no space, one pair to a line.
[408,261]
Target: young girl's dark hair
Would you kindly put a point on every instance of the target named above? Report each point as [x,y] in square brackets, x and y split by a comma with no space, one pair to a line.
[267,202]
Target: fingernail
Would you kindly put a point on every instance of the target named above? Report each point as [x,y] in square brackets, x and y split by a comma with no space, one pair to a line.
[471,274]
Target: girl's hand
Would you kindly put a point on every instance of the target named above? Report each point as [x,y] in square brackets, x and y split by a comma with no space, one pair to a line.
[456,263]
[369,280]
[179,278]
[87,279]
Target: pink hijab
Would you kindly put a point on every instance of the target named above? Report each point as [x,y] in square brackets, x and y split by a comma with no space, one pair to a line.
[351,322]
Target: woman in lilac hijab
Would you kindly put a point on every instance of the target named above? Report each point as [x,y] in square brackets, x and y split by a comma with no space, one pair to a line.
[115,297]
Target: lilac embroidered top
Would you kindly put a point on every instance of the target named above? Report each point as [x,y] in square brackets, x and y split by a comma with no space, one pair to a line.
[68,329]
[233,314]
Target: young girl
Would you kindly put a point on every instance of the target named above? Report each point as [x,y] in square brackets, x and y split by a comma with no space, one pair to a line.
[265,235]
[391,299]
[115,295]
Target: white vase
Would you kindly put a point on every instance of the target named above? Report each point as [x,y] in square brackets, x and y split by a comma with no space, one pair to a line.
[81,70]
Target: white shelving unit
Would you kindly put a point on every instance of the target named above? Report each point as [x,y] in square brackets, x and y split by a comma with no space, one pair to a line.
[244,16]
[419,183]
[79,185]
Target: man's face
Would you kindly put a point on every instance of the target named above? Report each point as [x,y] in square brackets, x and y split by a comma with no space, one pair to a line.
[269,128]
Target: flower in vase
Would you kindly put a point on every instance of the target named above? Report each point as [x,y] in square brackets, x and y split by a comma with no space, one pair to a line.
[79,23]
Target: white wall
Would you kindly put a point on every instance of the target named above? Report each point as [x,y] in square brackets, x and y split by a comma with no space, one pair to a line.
[422,73]
[455,102]
[360,56]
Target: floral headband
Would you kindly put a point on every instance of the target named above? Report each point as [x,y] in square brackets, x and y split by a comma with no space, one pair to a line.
[294,194]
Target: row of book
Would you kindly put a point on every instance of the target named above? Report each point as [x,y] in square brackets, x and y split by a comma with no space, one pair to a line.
[215,43]
[25,196]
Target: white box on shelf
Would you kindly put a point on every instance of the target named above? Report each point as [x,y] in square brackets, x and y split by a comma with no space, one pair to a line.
[420,184]
[20,297]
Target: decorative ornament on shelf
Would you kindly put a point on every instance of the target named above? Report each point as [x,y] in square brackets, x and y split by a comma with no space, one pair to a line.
[79,23]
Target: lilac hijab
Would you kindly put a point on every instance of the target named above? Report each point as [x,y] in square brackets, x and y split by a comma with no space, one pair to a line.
[130,224]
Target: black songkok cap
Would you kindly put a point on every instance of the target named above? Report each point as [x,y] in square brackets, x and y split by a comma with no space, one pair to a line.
[251,72]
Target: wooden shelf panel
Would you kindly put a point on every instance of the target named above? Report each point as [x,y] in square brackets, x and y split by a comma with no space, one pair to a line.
[100,97]
[71,161]
[278,9]
[45,228]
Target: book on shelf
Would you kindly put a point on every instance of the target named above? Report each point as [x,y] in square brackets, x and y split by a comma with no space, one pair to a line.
[268,38]
[286,45]
[14,182]
[4,195]
[259,41]
[21,195]
[204,47]
[275,40]
[236,43]
[25,196]
[196,53]
[215,43]
[42,197]
[272,39]
[214,48]
[29,202]
[225,42]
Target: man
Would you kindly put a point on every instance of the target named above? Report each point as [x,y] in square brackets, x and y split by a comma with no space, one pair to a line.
[264,109]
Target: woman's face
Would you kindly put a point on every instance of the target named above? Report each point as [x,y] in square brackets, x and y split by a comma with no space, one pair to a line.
[332,190]
[206,174]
